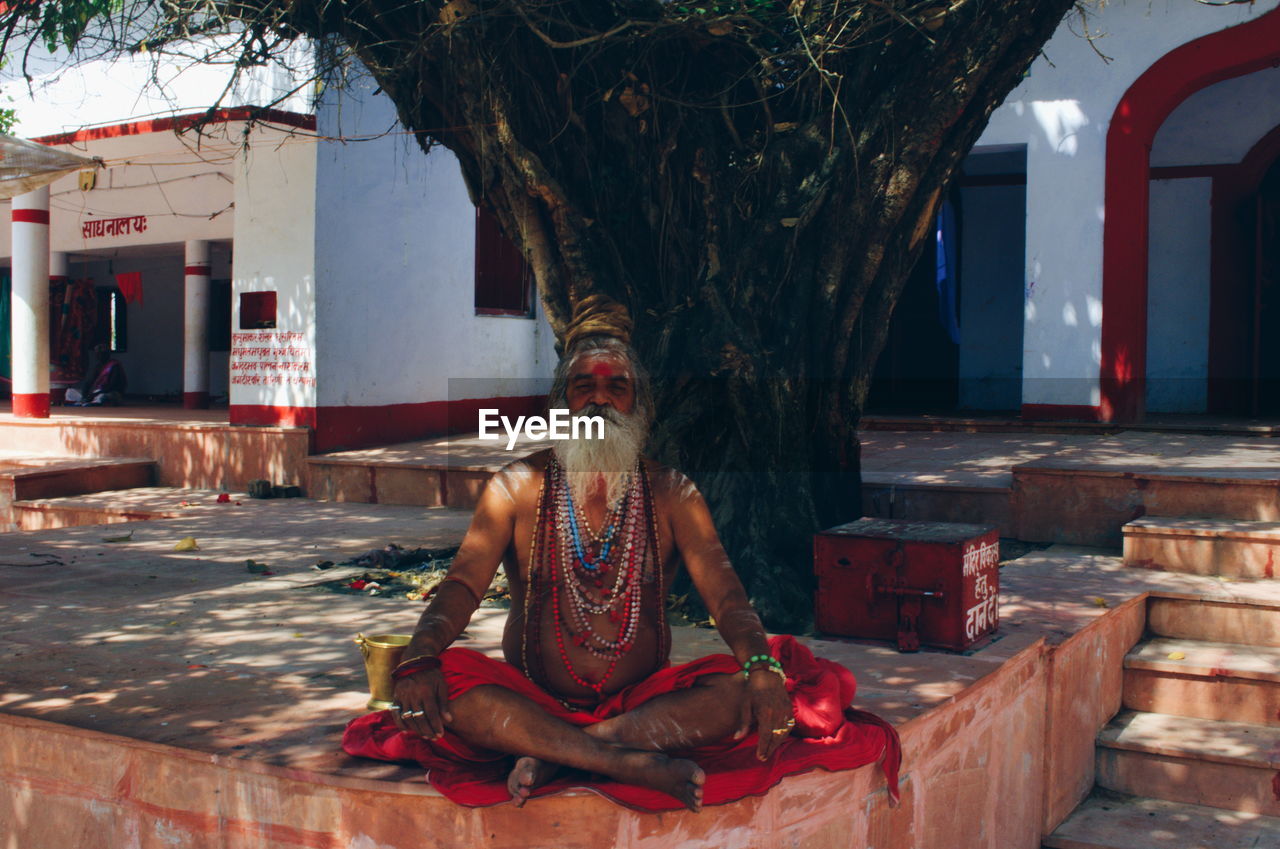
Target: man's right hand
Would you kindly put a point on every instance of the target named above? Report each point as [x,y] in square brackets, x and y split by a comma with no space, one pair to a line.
[424,704]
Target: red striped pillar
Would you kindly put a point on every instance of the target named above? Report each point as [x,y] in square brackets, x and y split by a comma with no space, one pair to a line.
[30,309]
[195,328]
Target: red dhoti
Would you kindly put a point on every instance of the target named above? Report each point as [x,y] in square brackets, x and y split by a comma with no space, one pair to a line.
[828,733]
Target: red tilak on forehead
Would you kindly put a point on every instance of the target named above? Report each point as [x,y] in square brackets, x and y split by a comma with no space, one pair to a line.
[602,369]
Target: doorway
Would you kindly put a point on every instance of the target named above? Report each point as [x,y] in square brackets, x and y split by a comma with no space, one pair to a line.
[1266,295]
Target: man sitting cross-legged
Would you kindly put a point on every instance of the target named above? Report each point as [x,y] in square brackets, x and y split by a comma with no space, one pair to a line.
[591,533]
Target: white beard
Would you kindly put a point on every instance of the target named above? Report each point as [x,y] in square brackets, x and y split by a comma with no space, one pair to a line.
[595,465]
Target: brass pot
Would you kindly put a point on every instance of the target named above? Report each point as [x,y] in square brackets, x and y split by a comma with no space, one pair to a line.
[382,653]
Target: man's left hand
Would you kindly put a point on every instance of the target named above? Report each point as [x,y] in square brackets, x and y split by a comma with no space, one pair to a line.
[767,706]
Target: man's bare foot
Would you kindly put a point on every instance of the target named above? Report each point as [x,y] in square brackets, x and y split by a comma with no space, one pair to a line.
[676,777]
[528,775]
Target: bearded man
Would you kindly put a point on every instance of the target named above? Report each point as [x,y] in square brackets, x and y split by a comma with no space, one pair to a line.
[590,534]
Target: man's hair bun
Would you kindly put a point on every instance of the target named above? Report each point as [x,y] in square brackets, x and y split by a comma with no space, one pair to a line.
[598,315]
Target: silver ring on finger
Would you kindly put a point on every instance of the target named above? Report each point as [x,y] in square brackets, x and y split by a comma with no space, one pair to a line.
[414,713]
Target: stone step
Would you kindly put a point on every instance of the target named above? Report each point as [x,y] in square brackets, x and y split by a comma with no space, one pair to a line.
[1115,821]
[1200,619]
[1229,765]
[115,506]
[1206,680]
[942,502]
[1224,547]
[447,471]
[423,485]
[51,477]
[76,476]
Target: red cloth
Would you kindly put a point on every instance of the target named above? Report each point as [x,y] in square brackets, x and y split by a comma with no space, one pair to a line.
[130,285]
[828,734]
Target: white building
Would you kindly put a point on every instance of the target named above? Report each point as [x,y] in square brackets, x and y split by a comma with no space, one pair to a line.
[1126,209]
[292,263]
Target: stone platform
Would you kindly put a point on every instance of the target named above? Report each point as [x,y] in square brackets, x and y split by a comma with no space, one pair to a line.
[157,698]
[1076,488]
[190,448]
[1079,486]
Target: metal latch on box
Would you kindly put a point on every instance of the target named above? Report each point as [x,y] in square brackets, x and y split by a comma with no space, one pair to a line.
[909,601]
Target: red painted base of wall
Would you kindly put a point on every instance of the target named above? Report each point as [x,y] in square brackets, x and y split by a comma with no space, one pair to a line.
[1061,412]
[31,405]
[338,428]
[195,400]
[262,415]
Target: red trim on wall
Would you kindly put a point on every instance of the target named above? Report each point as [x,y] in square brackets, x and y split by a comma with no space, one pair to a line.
[359,427]
[31,216]
[178,123]
[338,428]
[1228,53]
[31,405]
[1060,412]
[196,271]
[263,415]
[195,400]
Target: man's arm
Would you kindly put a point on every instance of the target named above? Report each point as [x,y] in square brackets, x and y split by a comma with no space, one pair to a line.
[767,704]
[452,606]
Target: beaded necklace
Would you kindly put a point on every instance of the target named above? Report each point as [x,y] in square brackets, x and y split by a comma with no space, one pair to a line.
[564,569]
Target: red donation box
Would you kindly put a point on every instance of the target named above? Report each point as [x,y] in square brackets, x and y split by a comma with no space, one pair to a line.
[920,583]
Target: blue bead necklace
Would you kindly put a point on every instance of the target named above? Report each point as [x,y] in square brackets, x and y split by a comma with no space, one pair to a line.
[578,549]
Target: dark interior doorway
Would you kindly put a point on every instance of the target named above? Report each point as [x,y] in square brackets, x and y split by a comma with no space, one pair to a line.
[1266,292]
[955,338]
[919,368]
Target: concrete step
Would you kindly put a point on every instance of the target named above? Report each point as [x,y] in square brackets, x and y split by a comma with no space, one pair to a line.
[1114,821]
[1230,548]
[115,506]
[1228,765]
[1206,680]
[50,477]
[943,502]
[72,476]
[1200,619]
[420,484]
[446,471]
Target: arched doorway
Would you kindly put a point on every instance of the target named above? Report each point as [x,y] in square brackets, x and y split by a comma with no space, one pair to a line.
[1222,55]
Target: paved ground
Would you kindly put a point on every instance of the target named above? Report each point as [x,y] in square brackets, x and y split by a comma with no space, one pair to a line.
[189,648]
[988,459]
[957,459]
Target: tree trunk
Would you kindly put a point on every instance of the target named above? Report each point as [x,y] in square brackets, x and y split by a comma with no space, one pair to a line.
[758,221]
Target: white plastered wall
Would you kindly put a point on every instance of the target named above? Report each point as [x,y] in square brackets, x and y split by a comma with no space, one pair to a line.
[275,246]
[1062,112]
[395,266]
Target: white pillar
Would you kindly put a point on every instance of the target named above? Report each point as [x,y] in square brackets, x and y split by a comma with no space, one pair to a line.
[30,308]
[195,328]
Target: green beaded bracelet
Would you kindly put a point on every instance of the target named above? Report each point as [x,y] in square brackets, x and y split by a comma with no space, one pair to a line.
[775,665]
